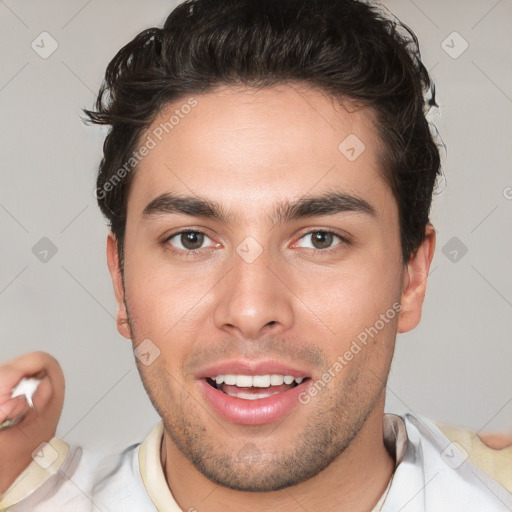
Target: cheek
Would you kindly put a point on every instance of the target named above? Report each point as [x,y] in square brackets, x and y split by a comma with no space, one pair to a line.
[352,297]
[163,300]
[359,304]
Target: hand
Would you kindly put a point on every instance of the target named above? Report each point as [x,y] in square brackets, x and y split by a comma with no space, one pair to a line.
[496,441]
[37,424]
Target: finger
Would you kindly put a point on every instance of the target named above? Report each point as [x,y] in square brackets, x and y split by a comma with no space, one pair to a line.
[13,408]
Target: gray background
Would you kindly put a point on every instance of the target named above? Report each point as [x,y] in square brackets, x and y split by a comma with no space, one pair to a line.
[455,367]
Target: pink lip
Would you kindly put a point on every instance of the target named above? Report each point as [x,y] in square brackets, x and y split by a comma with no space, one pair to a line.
[248,367]
[252,412]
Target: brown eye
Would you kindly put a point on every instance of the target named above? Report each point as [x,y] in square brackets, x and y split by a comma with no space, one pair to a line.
[319,240]
[192,240]
[188,240]
[322,239]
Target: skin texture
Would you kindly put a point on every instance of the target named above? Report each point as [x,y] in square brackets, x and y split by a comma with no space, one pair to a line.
[250,150]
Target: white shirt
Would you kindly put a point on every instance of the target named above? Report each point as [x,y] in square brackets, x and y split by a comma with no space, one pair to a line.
[432,475]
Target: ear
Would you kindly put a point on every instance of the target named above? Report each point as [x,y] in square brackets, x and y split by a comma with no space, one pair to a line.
[114,267]
[415,282]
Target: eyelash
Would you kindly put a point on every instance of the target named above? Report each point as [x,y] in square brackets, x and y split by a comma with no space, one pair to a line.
[343,241]
[191,252]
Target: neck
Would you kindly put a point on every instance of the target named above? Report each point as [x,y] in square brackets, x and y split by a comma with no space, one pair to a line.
[354,481]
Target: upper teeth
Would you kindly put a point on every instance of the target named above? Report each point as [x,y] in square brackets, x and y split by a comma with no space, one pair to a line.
[257,381]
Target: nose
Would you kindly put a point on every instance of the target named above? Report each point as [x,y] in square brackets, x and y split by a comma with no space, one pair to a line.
[253,299]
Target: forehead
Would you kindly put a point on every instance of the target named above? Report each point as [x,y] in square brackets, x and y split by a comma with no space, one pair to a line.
[251,147]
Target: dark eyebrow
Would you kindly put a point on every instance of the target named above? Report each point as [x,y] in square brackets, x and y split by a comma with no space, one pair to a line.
[330,203]
[185,205]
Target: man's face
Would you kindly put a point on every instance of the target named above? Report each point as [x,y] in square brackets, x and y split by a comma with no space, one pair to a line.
[262,287]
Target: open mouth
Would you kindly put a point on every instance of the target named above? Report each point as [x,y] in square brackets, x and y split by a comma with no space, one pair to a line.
[254,387]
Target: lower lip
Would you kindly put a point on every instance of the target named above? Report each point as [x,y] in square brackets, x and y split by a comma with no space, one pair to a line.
[252,412]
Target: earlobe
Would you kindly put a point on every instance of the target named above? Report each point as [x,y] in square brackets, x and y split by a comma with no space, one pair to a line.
[114,267]
[415,282]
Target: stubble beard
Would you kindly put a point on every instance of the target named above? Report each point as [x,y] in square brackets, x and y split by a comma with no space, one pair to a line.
[338,413]
[244,465]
